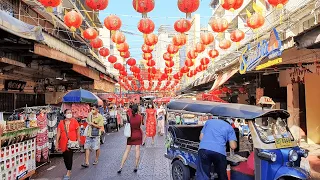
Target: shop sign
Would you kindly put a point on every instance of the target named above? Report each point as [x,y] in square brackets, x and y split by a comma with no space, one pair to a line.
[250,58]
[14,85]
[269,63]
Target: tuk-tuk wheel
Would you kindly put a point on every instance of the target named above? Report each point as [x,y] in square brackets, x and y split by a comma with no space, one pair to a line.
[180,171]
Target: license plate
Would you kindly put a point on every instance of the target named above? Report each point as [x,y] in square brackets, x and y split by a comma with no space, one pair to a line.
[283,142]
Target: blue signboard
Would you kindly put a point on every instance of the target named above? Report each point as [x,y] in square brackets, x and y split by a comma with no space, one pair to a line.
[250,58]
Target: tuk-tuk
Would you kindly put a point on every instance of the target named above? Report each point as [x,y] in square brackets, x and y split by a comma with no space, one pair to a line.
[275,154]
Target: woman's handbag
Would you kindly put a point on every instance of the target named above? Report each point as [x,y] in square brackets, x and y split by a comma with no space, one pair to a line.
[72,145]
[127,129]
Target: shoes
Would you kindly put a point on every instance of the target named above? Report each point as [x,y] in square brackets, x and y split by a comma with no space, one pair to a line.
[95,162]
[66,177]
[85,165]
[143,144]
[119,171]
[135,170]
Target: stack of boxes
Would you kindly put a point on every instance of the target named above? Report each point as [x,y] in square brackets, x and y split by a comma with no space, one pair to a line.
[17,160]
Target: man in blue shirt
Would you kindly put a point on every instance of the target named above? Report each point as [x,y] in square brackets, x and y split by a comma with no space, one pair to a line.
[214,136]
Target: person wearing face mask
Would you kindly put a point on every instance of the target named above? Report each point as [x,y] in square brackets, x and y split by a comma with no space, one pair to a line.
[93,133]
[68,128]
[151,124]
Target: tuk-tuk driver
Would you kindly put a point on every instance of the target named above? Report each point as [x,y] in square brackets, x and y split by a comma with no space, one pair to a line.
[214,136]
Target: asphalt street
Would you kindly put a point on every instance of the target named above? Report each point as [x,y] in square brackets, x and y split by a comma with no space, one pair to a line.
[153,166]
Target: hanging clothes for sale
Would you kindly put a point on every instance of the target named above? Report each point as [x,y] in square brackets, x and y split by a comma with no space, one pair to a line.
[54,117]
[42,149]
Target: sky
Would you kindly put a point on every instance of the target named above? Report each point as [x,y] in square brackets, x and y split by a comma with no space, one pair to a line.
[166,12]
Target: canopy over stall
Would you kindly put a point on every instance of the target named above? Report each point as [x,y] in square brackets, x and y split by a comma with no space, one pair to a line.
[162,100]
[225,109]
[81,96]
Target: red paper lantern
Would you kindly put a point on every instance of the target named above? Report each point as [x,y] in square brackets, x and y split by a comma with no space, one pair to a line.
[189,63]
[225,44]
[117,66]
[146,49]
[224,89]
[118,37]
[176,76]
[237,35]
[122,68]
[164,77]
[112,59]
[143,6]
[90,34]
[172,49]
[125,54]
[123,47]
[169,64]
[123,73]
[204,61]
[278,3]
[151,63]
[167,56]
[232,4]
[96,43]
[97,4]
[73,20]
[189,74]
[112,22]
[192,54]
[50,4]
[179,40]
[206,38]
[188,6]
[182,25]
[131,62]
[219,25]
[152,70]
[104,52]
[184,69]
[167,70]
[147,56]
[199,47]
[151,39]
[255,21]
[213,53]
[146,26]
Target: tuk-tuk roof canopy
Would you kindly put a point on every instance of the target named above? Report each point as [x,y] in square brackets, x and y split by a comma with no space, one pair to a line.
[225,109]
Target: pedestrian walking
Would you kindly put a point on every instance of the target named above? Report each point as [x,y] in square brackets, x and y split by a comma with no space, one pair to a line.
[135,121]
[68,129]
[161,118]
[212,149]
[151,124]
[93,132]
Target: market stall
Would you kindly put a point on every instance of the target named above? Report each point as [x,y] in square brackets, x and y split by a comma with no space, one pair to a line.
[18,150]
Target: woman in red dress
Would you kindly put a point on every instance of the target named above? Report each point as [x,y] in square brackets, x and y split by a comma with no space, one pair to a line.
[135,139]
[72,126]
[151,125]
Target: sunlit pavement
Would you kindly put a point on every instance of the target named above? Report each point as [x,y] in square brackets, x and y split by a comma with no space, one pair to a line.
[153,166]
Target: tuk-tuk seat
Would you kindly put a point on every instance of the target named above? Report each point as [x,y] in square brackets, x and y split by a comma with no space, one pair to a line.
[246,167]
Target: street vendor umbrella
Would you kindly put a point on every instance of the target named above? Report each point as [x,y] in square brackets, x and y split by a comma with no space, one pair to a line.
[80,96]
[100,102]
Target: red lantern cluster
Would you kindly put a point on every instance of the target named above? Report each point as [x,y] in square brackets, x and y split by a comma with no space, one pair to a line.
[131,62]
[182,25]
[213,53]
[219,25]
[97,4]
[192,54]
[146,26]
[112,23]
[172,49]
[90,34]
[237,35]
[73,20]
[188,6]
[143,6]
[232,4]
[255,21]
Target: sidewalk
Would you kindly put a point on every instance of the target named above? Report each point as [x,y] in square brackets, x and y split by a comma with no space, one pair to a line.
[314,158]
[153,166]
